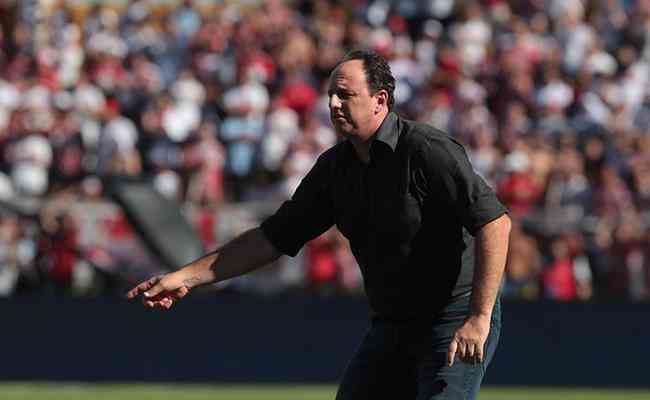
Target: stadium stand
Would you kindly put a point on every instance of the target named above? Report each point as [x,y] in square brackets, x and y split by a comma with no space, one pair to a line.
[220,106]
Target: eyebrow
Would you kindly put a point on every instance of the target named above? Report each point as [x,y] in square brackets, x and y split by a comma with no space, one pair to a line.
[341,90]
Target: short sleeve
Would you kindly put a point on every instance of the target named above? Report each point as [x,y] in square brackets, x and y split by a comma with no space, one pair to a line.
[450,175]
[306,215]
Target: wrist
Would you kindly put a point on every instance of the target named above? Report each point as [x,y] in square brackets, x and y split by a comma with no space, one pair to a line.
[190,277]
[480,315]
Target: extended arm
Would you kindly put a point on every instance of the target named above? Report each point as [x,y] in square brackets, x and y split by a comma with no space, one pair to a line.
[245,253]
[491,251]
[305,216]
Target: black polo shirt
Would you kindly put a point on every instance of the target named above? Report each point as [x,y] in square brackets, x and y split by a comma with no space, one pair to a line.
[410,215]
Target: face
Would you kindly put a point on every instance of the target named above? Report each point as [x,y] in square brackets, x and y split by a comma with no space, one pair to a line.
[355,113]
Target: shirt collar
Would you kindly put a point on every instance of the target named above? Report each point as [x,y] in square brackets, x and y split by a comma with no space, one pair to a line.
[388,132]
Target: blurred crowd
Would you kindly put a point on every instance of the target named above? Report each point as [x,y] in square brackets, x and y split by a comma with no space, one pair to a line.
[223,104]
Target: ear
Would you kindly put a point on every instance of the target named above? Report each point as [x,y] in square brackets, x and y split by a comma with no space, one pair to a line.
[382,100]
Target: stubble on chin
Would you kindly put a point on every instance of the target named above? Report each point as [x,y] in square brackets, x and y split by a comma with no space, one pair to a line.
[339,129]
[344,131]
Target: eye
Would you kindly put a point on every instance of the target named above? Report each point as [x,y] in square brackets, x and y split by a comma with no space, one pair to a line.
[345,95]
[341,94]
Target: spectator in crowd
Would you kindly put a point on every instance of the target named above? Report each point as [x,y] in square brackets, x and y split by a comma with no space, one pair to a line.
[17,256]
[523,267]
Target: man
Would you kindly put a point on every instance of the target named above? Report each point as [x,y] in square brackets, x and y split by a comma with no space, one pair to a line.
[406,197]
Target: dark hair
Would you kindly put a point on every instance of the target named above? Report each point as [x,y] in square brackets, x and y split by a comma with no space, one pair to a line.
[378,75]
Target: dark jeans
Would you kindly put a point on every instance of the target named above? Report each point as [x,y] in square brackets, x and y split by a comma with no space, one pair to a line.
[407,360]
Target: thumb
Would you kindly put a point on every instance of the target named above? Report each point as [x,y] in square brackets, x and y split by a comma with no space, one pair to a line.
[451,352]
[181,292]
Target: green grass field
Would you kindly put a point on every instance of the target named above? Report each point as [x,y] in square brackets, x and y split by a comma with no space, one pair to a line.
[51,391]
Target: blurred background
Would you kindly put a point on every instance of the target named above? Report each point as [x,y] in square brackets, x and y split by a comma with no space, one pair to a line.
[135,135]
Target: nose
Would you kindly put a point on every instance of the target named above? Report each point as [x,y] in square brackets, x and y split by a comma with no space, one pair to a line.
[335,102]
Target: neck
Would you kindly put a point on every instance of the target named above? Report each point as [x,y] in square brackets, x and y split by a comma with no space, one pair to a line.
[362,143]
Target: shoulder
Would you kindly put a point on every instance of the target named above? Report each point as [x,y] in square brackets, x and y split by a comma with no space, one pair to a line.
[430,144]
[334,154]
[331,159]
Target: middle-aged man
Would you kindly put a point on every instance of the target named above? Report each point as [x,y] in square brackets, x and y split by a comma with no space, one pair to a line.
[429,236]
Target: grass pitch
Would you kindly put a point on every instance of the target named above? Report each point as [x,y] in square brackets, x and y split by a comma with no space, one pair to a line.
[53,391]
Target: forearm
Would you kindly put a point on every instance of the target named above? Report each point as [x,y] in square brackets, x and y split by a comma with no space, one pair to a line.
[245,253]
[491,252]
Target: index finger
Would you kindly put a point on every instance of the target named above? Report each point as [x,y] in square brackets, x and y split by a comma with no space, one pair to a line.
[451,352]
[144,286]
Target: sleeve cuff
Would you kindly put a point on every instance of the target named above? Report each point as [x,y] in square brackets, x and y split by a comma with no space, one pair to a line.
[482,214]
[272,235]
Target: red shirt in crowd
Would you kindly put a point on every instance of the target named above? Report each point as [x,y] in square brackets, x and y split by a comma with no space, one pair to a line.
[559,281]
